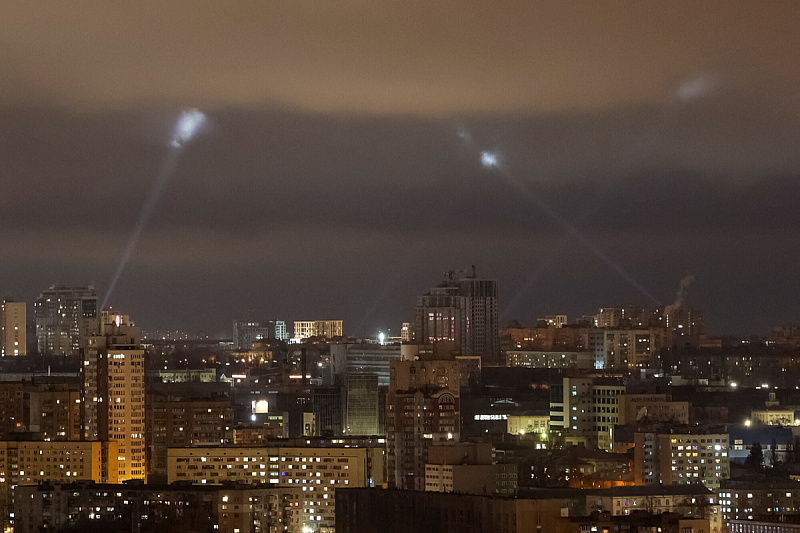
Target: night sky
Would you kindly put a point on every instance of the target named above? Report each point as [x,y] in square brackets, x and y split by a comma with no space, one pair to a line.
[340,171]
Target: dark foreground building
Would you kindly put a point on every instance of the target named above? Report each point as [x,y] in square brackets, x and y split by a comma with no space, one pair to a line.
[86,507]
[400,511]
[544,511]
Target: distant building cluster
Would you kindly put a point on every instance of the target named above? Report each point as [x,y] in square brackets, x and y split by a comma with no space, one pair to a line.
[629,419]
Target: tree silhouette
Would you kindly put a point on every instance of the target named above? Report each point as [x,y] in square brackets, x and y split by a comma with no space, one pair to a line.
[756,457]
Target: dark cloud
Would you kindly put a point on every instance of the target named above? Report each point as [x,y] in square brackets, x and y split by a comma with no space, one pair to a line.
[289,205]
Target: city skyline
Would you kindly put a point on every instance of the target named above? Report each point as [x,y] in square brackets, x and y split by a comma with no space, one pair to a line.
[528,318]
[441,267]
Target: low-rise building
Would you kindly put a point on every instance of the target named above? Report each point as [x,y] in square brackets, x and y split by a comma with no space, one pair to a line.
[468,468]
[756,526]
[584,360]
[639,521]
[690,501]
[472,479]
[635,408]
[29,463]
[682,456]
[175,508]
[760,500]
[776,443]
[317,471]
[772,417]
[403,511]
[528,424]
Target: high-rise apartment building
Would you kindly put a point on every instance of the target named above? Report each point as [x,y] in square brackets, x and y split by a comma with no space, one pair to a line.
[13,337]
[45,411]
[462,309]
[12,409]
[685,324]
[53,411]
[188,422]
[113,391]
[423,407]
[624,348]
[630,316]
[62,316]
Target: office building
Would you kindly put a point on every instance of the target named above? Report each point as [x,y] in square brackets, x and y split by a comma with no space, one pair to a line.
[360,404]
[365,359]
[326,409]
[462,309]
[63,315]
[304,329]
[584,411]
[13,332]
[113,391]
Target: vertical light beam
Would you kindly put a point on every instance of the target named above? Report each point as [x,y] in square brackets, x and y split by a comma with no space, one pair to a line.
[491,161]
[187,127]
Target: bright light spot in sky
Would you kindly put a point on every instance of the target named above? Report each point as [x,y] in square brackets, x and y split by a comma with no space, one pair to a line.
[696,87]
[489,159]
[187,127]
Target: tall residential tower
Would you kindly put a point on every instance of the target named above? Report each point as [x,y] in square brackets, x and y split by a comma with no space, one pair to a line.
[13,338]
[62,317]
[462,309]
[113,391]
